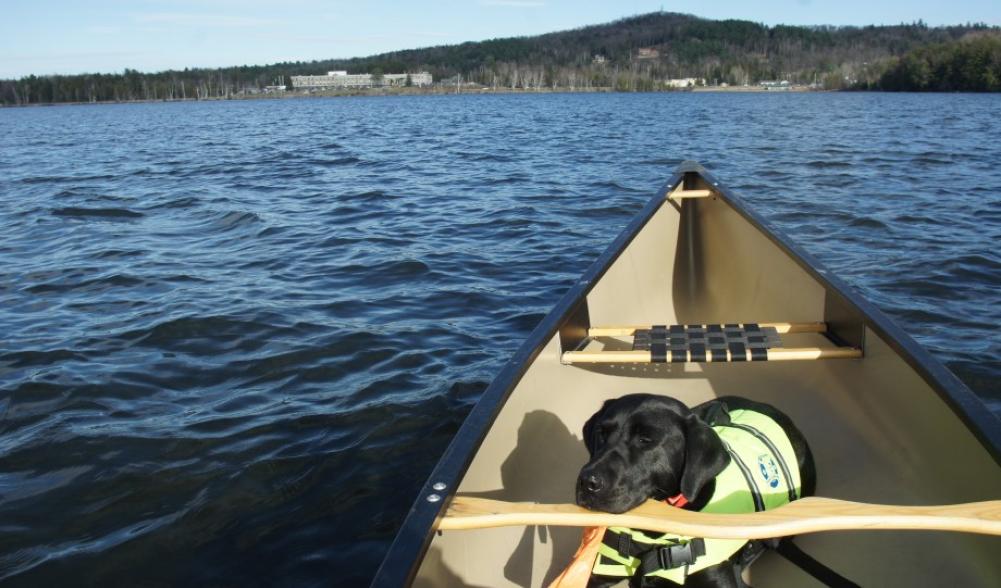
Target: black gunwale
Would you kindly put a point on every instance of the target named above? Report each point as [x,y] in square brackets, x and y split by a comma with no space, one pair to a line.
[414,536]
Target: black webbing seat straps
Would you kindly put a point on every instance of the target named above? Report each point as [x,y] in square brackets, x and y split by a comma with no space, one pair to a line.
[804,561]
[658,345]
[714,343]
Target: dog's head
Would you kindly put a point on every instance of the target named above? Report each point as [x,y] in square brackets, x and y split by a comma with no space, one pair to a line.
[644,446]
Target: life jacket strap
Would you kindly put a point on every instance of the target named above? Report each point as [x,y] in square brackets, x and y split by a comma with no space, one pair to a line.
[625,545]
[669,557]
[789,550]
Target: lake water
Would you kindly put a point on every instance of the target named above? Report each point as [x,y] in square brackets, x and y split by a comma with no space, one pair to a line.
[236,336]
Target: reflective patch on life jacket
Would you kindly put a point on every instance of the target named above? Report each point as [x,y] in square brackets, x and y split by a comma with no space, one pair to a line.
[769,470]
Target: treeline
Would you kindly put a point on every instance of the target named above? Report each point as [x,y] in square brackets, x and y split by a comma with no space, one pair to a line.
[970,65]
[609,56]
[131,85]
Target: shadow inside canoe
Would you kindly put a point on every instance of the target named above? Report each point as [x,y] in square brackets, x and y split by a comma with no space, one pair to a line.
[444,575]
[546,450]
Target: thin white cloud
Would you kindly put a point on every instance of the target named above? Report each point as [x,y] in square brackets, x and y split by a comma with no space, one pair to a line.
[102,30]
[227,3]
[513,3]
[13,66]
[432,34]
[416,35]
[62,56]
[202,20]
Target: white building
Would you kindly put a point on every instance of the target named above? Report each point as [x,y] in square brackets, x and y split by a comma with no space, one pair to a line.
[775,85]
[342,79]
[684,82]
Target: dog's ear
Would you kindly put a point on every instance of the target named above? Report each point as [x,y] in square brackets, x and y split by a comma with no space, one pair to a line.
[589,432]
[705,456]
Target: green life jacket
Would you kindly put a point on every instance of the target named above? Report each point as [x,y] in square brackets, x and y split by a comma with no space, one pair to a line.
[762,475]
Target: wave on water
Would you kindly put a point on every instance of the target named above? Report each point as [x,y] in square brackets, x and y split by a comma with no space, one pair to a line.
[100,213]
[334,162]
[235,220]
[869,223]
[94,285]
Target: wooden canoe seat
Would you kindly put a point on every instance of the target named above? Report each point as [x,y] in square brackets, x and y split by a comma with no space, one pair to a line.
[712,343]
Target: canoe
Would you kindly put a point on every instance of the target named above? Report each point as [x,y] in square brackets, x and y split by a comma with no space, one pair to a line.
[887,422]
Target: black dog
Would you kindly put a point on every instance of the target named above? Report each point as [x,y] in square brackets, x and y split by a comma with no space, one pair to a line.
[644,446]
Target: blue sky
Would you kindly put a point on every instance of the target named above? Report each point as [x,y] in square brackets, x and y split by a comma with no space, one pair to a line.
[63,36]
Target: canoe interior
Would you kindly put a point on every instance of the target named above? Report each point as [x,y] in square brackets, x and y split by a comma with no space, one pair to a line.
[878,431]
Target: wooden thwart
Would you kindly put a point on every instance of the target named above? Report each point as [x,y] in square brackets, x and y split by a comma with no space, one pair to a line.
[808,515]
[778,354]
[781,328]
[680,194]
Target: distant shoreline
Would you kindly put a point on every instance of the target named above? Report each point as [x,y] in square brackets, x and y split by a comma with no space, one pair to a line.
[645,52]
[436,91]
[759,89]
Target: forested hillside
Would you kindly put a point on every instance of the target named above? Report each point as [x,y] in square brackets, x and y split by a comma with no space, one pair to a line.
[636,53]
[970,65]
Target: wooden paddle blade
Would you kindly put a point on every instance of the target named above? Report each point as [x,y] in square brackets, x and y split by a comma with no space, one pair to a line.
[808,515]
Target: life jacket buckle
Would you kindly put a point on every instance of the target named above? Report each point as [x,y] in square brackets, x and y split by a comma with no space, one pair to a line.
[680,554]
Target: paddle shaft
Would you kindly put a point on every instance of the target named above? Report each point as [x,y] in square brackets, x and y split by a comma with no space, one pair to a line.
[808,515]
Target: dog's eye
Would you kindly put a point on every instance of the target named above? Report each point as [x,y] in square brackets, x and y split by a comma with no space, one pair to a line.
[643,440]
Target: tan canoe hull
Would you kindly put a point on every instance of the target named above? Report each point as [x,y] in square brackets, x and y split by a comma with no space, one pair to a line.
[892,427]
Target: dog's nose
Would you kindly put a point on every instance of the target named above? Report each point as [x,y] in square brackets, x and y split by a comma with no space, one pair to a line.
[593,483]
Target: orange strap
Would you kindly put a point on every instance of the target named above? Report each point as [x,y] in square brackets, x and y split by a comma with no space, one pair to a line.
[578,572]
